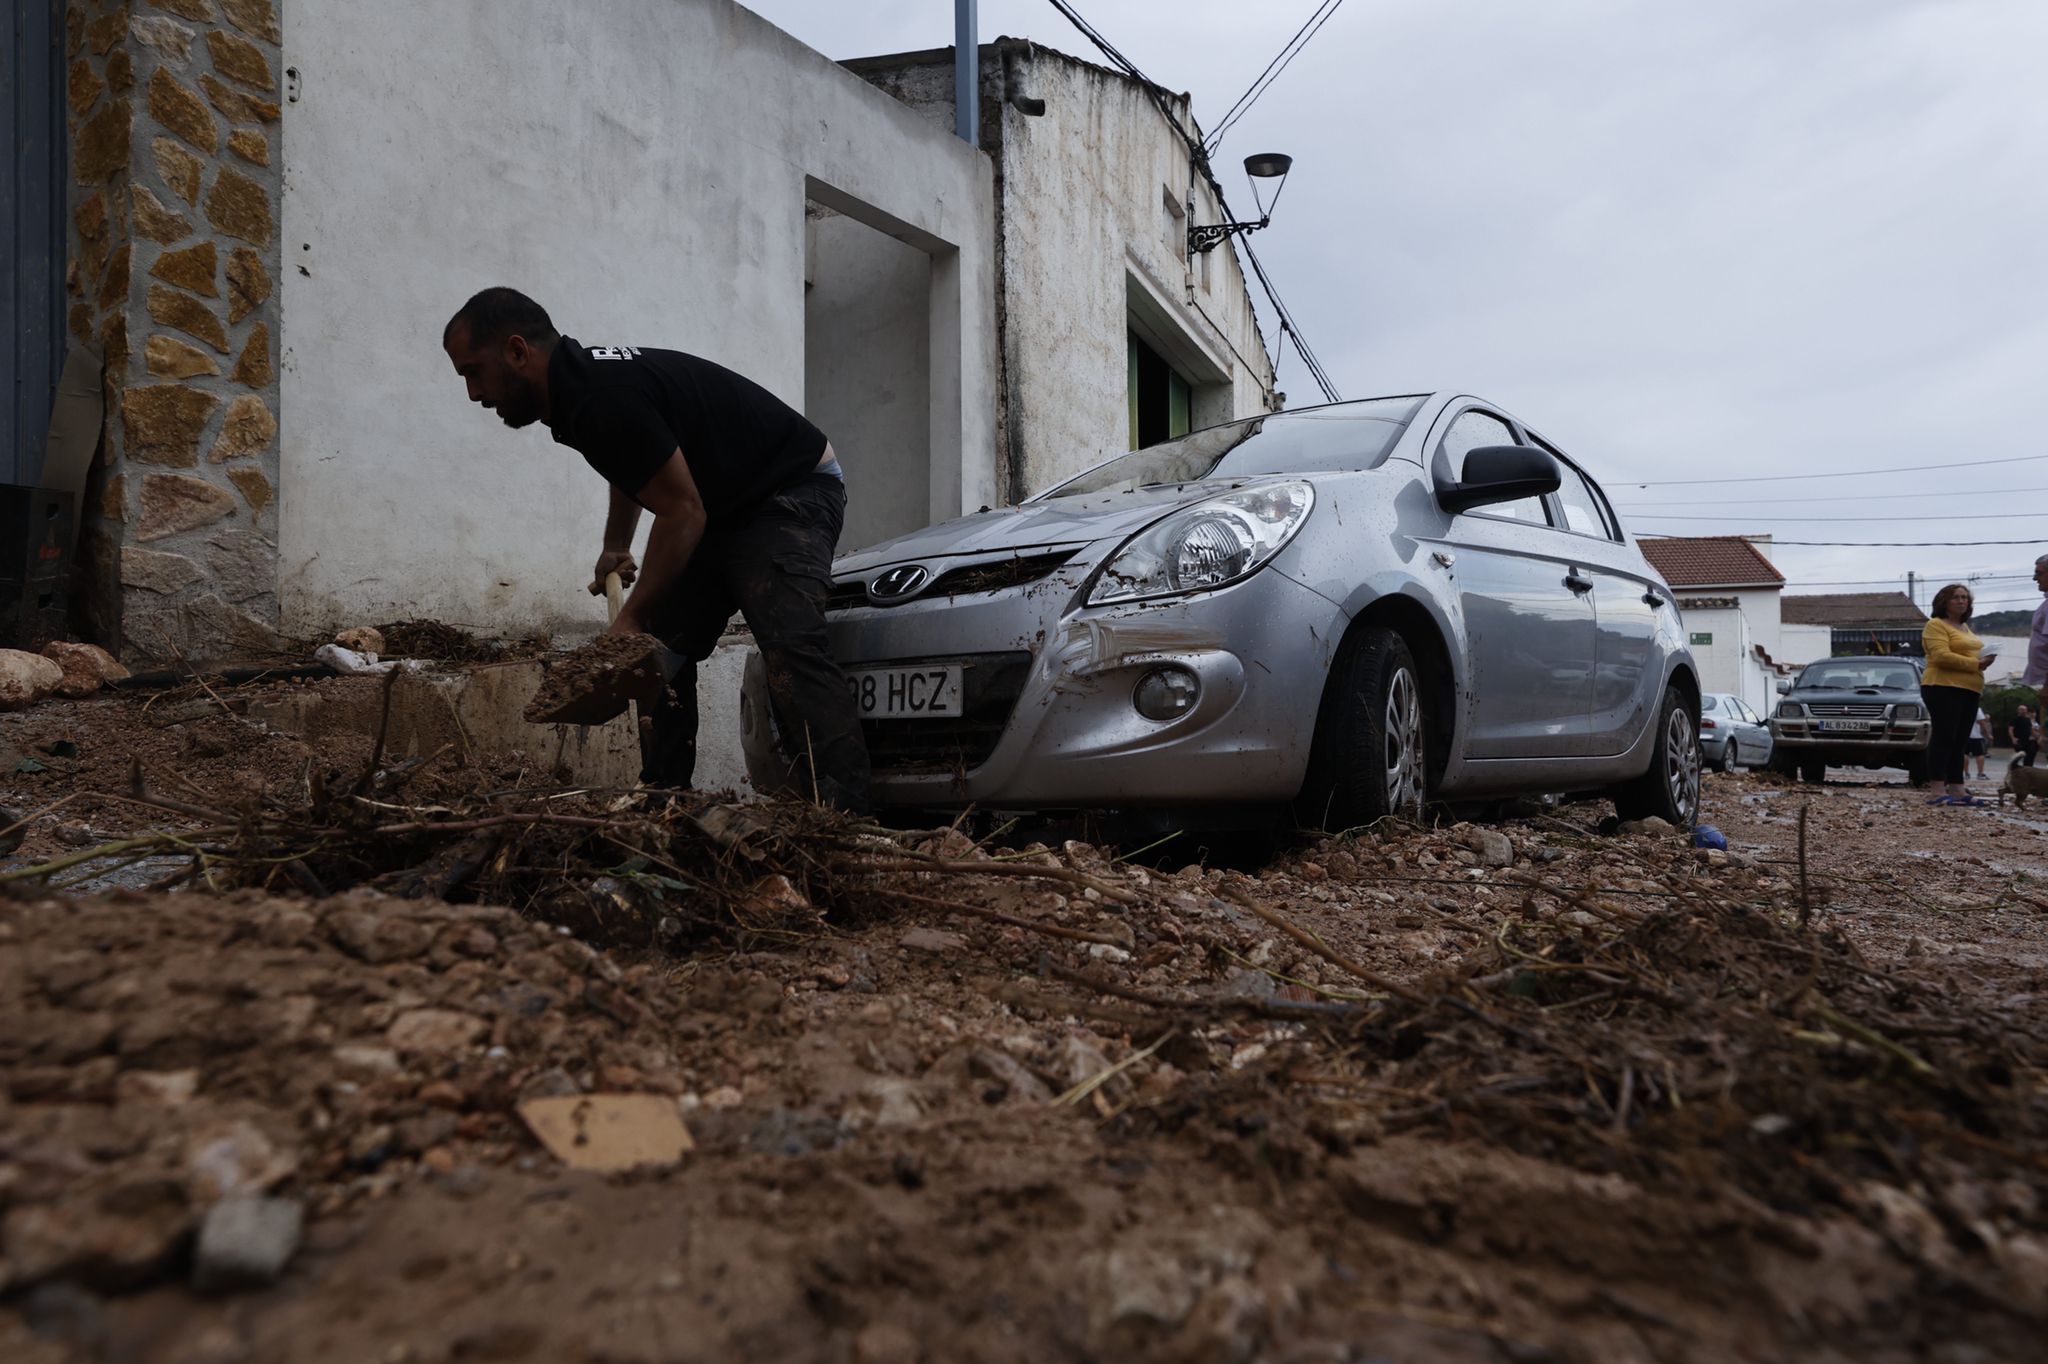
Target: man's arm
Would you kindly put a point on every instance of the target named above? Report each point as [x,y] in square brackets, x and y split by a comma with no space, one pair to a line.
[678,528]
[619,524]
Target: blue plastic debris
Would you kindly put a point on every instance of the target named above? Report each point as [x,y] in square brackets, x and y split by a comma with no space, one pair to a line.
[1707,836]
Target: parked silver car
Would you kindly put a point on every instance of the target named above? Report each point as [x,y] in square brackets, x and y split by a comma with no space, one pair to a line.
[1350,608]
[1731,734]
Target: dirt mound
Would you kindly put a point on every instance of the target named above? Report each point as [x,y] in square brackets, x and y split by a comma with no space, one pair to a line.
[437,640]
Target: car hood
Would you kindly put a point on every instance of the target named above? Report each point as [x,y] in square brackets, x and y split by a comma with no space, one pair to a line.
[1838,695]
[1054,522]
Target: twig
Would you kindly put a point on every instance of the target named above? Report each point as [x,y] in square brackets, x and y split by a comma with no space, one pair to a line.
[997,916]
[1097,1081]
[1326,952]
[1877,1039]
[1805,887]
[1019,869]
[383,728]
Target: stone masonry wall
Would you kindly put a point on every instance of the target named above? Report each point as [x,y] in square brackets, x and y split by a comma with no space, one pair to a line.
[176,161]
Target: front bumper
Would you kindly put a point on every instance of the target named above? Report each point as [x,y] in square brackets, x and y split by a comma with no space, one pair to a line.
[1897,737]
[1057,685]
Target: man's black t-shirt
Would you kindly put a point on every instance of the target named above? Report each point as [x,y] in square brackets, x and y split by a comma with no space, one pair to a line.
[626,409]
[2023,730]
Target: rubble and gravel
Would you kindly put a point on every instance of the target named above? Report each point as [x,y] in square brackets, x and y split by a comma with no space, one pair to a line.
[1406,1094]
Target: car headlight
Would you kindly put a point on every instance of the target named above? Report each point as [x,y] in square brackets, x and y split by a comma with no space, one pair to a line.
[1204,546]
[1909,711]
[1790,710]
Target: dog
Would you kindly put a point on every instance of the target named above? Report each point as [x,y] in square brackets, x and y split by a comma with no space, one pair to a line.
[2021,782]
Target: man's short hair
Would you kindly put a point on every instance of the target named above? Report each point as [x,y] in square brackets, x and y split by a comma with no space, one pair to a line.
[2042,560]
[494,314]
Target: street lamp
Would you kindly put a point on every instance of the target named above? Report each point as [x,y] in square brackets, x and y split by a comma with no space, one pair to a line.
[1259,166]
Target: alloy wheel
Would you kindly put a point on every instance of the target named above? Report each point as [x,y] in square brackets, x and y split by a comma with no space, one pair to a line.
[1682,763]
[1404,765]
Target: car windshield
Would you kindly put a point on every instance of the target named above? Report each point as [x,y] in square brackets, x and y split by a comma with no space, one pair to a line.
[1846,674]
[1318,440]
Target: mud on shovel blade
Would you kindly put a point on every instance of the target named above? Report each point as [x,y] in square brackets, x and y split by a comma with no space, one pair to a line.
[581,689]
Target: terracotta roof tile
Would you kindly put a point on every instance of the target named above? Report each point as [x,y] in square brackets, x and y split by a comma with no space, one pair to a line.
[1884,610]
[1697,561]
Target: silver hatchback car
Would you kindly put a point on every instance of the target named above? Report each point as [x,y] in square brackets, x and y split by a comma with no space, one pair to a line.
[1349,609]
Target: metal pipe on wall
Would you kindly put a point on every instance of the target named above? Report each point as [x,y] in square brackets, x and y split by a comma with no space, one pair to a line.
[966,73]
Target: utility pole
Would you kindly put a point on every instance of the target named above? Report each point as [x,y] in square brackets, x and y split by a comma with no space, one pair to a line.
[1912,593]
[966,73]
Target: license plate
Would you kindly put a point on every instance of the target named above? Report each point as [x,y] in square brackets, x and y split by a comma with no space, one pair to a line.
[906,693]
[1851,726]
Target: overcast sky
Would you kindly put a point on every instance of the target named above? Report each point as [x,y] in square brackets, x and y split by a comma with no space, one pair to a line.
[1686,238]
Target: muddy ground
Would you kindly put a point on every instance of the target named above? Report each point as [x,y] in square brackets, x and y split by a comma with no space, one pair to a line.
[1521,1092]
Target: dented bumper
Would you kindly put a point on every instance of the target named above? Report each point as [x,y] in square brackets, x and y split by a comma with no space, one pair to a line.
[1054,695]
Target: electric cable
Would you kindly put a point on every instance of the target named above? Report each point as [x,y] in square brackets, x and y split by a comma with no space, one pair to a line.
[1324,13]
[1200,160]
[1833,473]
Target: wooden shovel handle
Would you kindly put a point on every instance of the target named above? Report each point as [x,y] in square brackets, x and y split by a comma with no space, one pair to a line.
[614,596]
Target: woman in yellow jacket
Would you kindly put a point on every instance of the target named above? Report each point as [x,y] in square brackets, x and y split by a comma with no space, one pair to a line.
[1951,684]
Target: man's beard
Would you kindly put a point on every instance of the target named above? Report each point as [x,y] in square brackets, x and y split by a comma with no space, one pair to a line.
[522,406]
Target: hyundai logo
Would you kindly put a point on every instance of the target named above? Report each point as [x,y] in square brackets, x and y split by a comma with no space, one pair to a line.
[899,582]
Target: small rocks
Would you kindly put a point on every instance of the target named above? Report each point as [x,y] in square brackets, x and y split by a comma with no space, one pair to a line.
[1491,847]
[932,940]
[86,667]
[363,639]
[435,1031]
[1652,827]
[26,679]
[246,1242]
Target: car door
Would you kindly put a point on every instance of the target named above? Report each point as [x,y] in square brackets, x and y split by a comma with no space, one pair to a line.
[1625,607]
[1528,631]
[1751,732]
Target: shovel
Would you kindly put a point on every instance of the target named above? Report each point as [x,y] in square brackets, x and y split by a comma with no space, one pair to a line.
[595,693]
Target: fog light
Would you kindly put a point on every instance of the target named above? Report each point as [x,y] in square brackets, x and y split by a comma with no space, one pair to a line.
[1166,693]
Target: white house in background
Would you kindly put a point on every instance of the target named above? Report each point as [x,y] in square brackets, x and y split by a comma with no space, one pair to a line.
[1727,593]
[1858,623]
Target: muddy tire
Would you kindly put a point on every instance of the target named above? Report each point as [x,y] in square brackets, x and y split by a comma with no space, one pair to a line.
[1670,789]
[1916,771]
[1370,755]
[1813,771]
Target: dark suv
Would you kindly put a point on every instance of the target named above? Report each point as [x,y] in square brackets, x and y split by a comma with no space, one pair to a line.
[1852,712]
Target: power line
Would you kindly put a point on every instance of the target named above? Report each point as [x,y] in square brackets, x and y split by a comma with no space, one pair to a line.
[1838,473]
[1199,160]
[1856,497]
[1865,544]
[1322,15]
[1824,520]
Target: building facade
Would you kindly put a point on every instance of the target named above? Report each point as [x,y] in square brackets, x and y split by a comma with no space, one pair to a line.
[274,205]
[1727,592]
[1114,334]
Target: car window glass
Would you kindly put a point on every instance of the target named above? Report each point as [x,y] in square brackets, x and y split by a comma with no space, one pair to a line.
[1710,703]
[1581,508]
[1354,435]
[1472,430]
[1845,674]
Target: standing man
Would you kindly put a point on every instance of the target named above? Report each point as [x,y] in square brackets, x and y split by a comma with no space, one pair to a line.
[2036,675]
[748,500]
[2024,743]
[1980,740]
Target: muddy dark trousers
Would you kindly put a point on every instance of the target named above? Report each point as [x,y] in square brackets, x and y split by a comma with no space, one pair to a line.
[1951,711]
[773,564]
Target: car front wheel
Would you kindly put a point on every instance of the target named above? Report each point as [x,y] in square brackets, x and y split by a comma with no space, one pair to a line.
[1670,789]
[1371,742]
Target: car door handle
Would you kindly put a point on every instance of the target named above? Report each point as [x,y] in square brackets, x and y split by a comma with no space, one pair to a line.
[1576,583]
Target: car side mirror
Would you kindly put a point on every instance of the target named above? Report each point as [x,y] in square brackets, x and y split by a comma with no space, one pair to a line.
[1784,685]
[1500,473]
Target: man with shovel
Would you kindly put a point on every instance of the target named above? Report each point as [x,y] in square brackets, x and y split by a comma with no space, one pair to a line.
[748,500]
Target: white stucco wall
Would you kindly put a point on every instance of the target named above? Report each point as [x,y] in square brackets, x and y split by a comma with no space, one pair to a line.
[641,167]
[1803,644]
[1088,241]
[867,359]
[1760,607]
